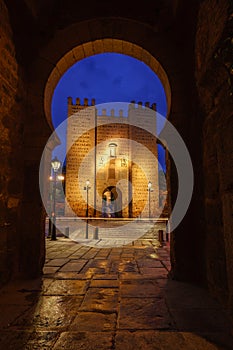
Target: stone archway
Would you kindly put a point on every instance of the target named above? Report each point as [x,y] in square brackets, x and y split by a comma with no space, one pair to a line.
[140,41]
[177,45]
[102,46]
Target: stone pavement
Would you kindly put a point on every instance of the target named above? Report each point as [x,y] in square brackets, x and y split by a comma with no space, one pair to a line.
[105,299]
[110,232]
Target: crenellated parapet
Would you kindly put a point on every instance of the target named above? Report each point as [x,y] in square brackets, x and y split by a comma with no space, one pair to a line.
[139,105]
[132,105]
[113,113]
[78,102]
[143,112]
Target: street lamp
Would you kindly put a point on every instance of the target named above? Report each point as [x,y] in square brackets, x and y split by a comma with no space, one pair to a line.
[149,191]
[55,163]
[87,188]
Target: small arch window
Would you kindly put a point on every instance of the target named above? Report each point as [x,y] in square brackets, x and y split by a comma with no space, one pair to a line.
[112,147]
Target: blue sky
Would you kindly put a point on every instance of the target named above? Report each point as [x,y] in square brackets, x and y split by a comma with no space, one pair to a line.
[108,77]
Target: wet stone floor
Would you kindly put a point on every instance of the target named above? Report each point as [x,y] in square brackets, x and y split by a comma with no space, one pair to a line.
[104,299]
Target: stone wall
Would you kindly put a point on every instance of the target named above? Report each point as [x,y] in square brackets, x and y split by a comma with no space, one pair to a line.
[12,104]
[215,95]
[202,244]
[80,141]
[89,136]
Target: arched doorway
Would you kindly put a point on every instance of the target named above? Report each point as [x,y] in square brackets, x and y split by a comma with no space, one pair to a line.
[112,202]
[52,63]
[133,39]
[156,67]
[45,54]
[118,46]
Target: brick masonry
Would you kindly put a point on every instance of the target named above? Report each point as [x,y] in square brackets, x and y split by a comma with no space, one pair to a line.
[201,109]
[135,162]
[11,133]
[216,102]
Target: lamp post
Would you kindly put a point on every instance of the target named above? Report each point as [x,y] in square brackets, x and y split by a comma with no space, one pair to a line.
[149,191]
[50,206]
[55,163]
[87,188]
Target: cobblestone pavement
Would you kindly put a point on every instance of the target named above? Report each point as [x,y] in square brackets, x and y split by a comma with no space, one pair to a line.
[107,233]
[110,298]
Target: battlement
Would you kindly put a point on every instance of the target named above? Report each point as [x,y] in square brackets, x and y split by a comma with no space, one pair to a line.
[113,113]
[78,103]
[132,105]
[139,105]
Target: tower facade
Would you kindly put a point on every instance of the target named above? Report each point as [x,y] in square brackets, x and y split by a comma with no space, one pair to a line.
[117,155]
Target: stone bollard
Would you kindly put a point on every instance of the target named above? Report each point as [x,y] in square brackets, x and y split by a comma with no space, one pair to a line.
[67,232]
[168,232]
[161,237]
[96,233]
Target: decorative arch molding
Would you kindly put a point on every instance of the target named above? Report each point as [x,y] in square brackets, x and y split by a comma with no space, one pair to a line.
[62,54]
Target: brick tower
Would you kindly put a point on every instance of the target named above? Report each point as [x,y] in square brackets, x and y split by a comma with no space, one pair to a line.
[118,155]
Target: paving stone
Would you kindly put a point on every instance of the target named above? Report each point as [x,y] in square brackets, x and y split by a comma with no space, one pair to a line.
[115,266]
[50,312]
[83,310]
[94,322]
[132,276]
[167,265]
[103,283]
[16,340]
[71,276]
[48,270]
[105,277]
[100,299]
[46,283]
[20,292]
[9,313]
[102,254]
[96,270]
[204,341]
[78,255]
[67,287]
[63,255]
[127,256]
[90,273]
[162,282]
[154,271]
[153,340]
[128,266]
[116,250]
[180,295]
[209,341]
[199,320]
[41,340]
[85,341]
[140,288]
[114,257]
[74,266]
[149,263]
[57,262]
[90,254]
[101,263]
[144,313]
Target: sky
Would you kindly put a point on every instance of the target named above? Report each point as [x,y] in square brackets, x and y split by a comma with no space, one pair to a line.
[108,77]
